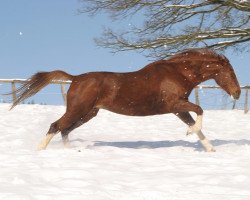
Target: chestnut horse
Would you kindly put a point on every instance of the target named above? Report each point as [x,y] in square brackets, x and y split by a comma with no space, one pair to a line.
[159,88]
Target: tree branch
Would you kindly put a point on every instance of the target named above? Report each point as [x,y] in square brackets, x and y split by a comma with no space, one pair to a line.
[173,25]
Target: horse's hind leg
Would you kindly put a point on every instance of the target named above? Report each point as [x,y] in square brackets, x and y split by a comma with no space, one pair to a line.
[187,119]
[81,98]
[80,122]
[63,123]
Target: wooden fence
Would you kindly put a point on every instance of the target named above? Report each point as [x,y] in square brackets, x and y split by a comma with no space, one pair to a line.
[246,88]
[13,83]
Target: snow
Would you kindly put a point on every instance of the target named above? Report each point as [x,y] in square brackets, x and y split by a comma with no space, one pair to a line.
[119,157]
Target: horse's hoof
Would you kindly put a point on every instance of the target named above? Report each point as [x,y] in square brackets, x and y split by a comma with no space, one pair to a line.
[189,133]
[211,150]
[40,148]
[67,146]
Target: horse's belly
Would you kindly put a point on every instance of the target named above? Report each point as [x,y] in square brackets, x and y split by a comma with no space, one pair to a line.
[134,108]
[130,111]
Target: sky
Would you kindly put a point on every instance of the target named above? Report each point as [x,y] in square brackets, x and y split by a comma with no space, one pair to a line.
[48,35]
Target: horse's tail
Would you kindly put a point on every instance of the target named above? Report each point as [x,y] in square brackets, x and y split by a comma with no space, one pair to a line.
[36,83]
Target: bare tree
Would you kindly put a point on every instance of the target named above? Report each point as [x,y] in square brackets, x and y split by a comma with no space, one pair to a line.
[173,25]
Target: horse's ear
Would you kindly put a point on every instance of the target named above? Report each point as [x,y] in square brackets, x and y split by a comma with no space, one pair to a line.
[223,58]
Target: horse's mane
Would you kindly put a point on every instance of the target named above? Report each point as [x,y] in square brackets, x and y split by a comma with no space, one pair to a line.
[197,53]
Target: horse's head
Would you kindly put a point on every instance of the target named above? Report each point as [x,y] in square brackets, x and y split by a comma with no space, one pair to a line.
[226,78]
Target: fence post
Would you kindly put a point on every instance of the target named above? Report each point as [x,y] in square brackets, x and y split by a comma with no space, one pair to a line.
[13,86]
[234,104]
[246,102]
[63,93]
[197,100]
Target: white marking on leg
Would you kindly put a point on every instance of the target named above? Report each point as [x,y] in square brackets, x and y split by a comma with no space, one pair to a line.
[44,143]
[197,126]
[66,142]
[208,146]
[205,142]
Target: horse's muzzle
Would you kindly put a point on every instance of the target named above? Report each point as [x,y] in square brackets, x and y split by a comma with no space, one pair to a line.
[236,95]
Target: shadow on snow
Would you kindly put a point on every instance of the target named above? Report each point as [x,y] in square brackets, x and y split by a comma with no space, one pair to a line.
[164,144]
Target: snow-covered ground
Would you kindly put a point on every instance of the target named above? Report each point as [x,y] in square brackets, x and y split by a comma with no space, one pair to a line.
[118,157]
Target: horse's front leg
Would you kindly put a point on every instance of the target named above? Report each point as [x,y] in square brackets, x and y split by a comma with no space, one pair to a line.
[187,119]
[185,106]
[197,126]
[182,109]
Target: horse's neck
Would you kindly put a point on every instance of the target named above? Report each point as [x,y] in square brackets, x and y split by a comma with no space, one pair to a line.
[198,74]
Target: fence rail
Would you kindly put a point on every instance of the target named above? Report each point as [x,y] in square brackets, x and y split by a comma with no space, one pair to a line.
[13,83]
[62,83]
